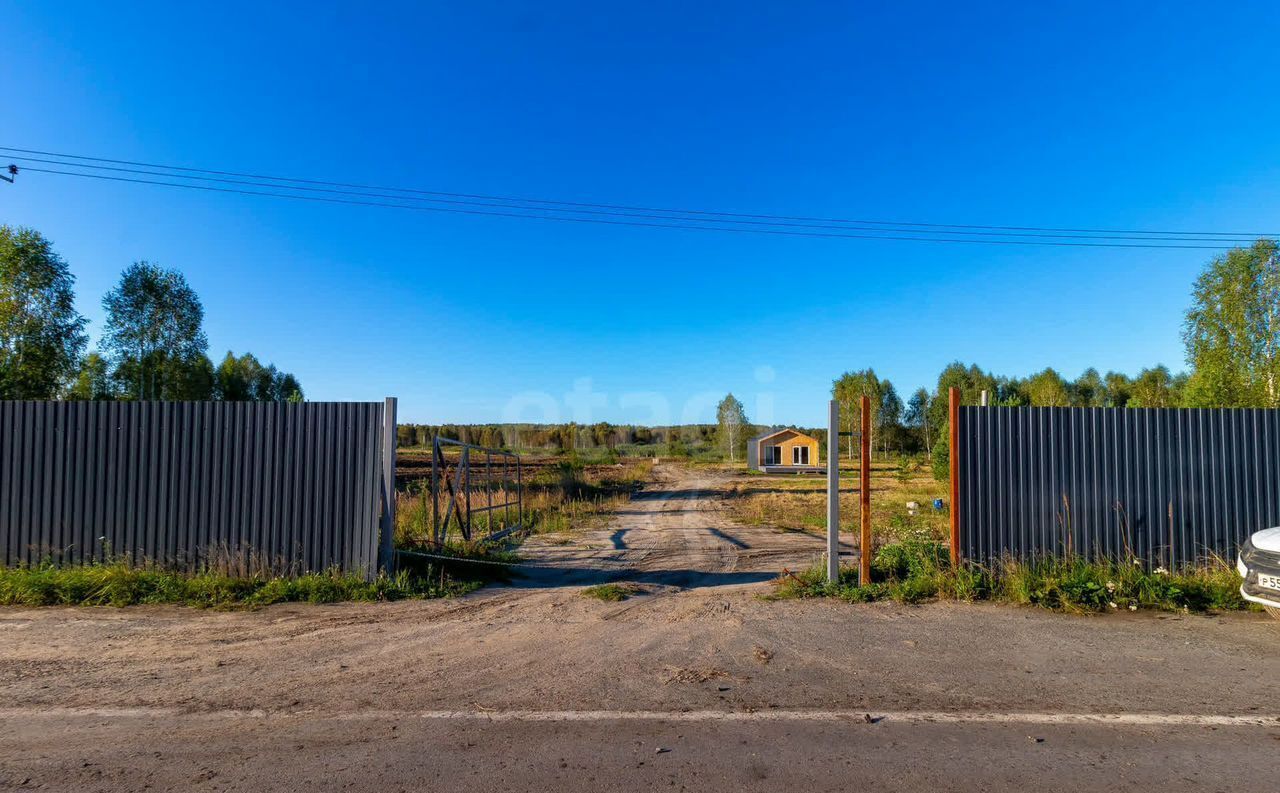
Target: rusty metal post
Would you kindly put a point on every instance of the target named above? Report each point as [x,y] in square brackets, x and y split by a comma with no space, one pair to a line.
[865,549]
[466,489]
[953,455]
[435,492]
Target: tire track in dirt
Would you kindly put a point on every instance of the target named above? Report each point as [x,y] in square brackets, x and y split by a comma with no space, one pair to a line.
[674,536]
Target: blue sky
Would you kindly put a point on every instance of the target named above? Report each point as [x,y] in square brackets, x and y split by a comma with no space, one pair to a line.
[1124,115]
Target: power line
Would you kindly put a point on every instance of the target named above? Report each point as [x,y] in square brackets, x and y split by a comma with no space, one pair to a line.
[610,213]
[565,218]
[1249,235]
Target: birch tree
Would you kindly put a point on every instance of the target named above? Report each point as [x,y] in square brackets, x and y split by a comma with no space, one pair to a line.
[848,390]
[733,421]
[41,333]
[1232,330]
[917,417]
[154,336]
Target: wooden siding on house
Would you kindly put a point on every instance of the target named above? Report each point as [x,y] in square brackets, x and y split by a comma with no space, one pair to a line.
[787,441]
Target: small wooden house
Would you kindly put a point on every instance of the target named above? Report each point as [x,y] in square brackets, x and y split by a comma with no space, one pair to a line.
[784,451]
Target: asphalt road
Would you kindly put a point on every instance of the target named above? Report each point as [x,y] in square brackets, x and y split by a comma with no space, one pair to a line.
[696,684]
[217,752]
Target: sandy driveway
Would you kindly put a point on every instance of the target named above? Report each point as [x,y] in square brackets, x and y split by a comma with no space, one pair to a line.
[532,686]
[675,535]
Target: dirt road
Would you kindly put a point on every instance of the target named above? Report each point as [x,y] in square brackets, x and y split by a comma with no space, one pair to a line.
[675,535]
[697,684]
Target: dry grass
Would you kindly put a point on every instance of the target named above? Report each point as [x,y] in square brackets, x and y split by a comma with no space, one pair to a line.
[799,503]
[562,496]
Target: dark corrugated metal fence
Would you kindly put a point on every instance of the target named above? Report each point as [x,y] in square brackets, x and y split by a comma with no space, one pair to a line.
[296,486]
[1169,486]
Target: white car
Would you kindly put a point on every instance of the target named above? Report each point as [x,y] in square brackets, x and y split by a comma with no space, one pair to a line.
[1259,564]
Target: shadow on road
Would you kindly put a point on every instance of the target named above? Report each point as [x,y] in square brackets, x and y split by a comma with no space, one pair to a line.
[545,577]
[729,538]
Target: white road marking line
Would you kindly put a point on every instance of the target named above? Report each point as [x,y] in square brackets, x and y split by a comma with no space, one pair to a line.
[854,716]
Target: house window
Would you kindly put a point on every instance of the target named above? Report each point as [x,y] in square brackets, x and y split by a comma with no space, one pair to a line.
[799,455]
[773,455]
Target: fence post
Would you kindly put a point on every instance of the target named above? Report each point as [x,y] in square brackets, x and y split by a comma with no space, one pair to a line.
[833,491]
[953,456]
[435,493]
[387,547]
[865,551]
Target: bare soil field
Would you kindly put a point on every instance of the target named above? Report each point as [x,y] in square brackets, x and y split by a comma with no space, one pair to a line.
[696,682]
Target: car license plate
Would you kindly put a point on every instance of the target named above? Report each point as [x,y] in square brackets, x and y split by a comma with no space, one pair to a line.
[1269,581]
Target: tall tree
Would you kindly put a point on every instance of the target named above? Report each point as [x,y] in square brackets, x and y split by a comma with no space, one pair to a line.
[602,434]
[733,423]
[917,417]
[971,380]
[1232,330]
[848,390]
[94,380]
[245,379]
[888,416]
[1156,388]
[232,380]
[291,391]
[1119,389]
[154,336]
[41,333]
[1048,389]
[1088,390]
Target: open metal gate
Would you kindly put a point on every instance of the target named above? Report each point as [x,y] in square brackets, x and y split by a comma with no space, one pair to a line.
[464,486]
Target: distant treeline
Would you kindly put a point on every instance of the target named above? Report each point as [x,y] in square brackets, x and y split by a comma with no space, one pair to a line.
[563,437]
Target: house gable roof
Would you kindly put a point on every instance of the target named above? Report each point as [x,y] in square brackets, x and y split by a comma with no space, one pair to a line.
[772,433]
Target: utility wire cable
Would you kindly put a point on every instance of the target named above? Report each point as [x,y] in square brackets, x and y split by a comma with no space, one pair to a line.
[611,213]
[917,226]
[683,226]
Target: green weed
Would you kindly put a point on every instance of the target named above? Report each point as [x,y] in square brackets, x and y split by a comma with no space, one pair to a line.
[611,592]
[913,571]
[121,584]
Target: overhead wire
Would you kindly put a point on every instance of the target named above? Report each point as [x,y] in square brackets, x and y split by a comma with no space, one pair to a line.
[615,214]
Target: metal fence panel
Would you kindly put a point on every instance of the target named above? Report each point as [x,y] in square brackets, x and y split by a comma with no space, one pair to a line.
[296,485]
[1169,486]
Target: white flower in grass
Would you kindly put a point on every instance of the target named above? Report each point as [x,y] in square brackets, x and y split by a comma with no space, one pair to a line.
[1133,606]
[1111,587]
[1112,604]
[1161,571]
[1138,562]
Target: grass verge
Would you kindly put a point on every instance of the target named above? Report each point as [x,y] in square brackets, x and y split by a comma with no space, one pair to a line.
[122,584]
[917,571]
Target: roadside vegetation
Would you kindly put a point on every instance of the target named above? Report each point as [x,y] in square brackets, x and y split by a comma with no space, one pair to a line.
[611,593]
[799,503]
[561,493]
[915,571]
[913,565]
[122,584]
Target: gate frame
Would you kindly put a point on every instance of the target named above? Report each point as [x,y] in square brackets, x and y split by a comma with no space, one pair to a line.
[439,467]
